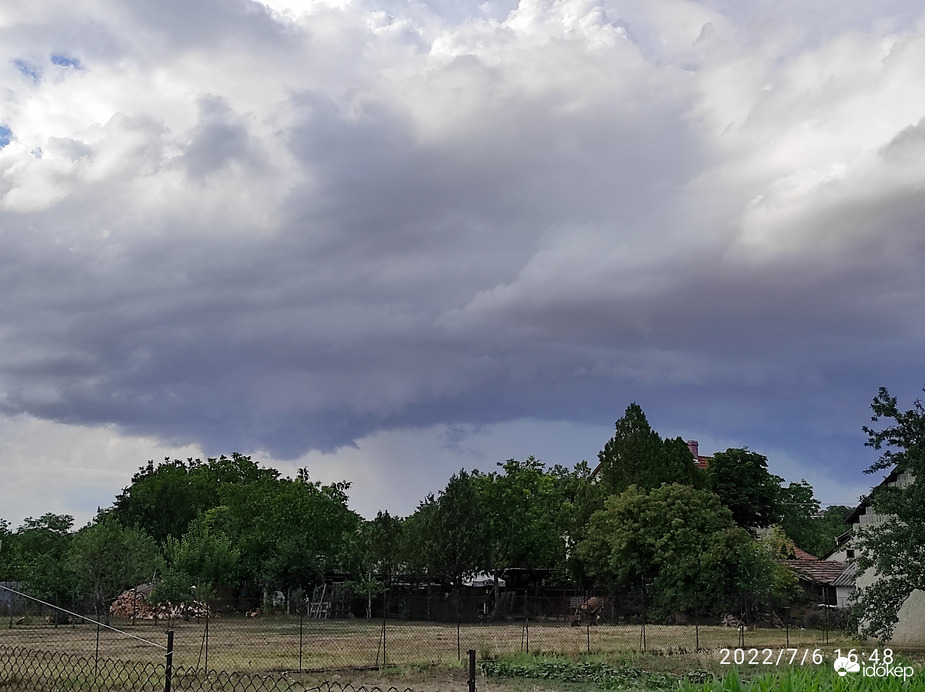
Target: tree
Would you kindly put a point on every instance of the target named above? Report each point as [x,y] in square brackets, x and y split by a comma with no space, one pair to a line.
[741,480]
[164,499]
[581,499]
[6,551]
[802,519]
[289,531]
[895,548]
[682,541]
[797,510]
[458,531]
[524,517]
[632,454]
[108,558]
[204,558]
[372,555]
[637,455]
[418,549]
[40,558]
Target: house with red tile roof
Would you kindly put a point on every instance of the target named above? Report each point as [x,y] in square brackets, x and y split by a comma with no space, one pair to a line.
[818,578]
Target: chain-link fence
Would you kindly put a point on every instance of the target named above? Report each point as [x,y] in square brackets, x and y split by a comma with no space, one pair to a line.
[215,648]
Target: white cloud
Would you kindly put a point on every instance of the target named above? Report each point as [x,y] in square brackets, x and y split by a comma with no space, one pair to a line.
[296,226]
[67,469]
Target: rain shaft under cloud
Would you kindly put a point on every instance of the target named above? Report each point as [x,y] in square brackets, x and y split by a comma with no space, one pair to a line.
[292,228]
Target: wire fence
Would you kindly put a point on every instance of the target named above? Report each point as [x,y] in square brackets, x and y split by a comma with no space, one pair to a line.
[49,647]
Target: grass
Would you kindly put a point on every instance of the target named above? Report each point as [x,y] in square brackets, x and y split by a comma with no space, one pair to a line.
[424,655]
[602,673]
[276,644]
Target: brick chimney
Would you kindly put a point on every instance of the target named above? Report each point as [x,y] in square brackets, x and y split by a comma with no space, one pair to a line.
[694,446]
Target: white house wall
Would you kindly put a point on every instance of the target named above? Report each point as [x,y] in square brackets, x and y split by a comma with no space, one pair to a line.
[910,629]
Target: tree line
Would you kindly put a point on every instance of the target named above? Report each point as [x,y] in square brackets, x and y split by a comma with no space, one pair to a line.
[646,517]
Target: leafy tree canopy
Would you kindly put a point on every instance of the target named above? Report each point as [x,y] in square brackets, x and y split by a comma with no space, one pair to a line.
[289,531]
[204,558]
[164,499]
[895,548]
[803,520]
[6,551]
[40,548]
[637,455]
[525,512]
[743,483]
[679,539]
[457,530]
[107,558]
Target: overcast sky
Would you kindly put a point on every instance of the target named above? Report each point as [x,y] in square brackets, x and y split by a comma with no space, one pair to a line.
[388,239]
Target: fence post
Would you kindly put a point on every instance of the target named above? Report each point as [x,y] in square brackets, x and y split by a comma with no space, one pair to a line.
[789,622]
[742,622]
[696,622]
[301,618]
[96,658]
[471,653]
[168,668]
[642,628]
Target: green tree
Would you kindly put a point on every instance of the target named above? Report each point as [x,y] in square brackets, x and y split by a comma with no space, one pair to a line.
[895,548]
[581,499]
[632,454]
[372,556]
[419,549]
[803,520]
[204,558]
[164,499]
[524,516]
[830,525]
[289,531]
[40,558]
[797,511]
[6,551]
[679,539]
[107,558]
[637,455]
[743,483]
[458,531]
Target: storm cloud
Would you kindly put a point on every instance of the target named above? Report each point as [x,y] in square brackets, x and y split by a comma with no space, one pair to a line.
[294,227]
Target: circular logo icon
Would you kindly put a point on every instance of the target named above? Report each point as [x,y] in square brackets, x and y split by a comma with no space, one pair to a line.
[844,665]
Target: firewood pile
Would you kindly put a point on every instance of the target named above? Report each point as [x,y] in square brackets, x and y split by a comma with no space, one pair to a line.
[730,620]
[130,604]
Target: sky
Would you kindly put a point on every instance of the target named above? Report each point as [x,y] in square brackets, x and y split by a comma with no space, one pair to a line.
[390,239]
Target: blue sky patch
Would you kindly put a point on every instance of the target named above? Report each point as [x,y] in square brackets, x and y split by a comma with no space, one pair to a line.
[28,69]
[6,136]
[65,61]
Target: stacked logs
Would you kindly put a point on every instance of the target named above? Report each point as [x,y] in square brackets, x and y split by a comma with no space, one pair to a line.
[130,604]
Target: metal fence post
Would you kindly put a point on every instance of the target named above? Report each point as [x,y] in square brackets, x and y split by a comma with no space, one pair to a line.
[96,657]
[471,653]
[168,668]
[642,629]
[789,622]
[696,622]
